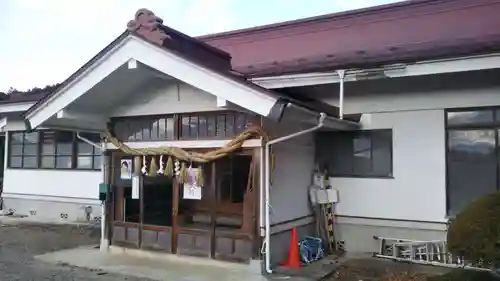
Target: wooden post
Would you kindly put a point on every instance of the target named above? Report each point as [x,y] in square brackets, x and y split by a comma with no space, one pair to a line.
[137,173]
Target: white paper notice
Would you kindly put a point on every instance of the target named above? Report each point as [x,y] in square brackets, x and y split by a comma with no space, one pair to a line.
[191,190]
[135,187]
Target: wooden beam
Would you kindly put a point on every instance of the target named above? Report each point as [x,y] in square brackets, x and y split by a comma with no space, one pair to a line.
[75,115]
[221,102]
[132,64]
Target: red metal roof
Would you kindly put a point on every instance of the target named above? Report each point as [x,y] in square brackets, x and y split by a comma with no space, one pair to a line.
[400,32]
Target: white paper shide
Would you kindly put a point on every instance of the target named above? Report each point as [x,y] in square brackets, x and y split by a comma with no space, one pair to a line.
[135,187]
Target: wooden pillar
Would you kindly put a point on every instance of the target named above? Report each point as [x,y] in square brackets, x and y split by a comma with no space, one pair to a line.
[137,173]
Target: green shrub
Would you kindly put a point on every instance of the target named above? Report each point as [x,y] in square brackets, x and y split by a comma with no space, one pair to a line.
[475,232]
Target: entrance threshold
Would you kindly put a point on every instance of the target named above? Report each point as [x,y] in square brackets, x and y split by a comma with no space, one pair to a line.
[150,265]
[253,267]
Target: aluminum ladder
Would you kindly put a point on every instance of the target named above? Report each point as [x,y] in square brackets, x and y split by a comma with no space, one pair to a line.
[433,252]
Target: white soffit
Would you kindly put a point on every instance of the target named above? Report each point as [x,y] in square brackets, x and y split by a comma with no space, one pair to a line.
[15,107]
[133,48]
[460,64]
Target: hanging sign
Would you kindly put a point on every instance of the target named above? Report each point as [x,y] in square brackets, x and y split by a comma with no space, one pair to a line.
[135,187]
[191,190]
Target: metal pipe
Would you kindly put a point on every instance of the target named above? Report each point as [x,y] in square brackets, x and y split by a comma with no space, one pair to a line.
[341,74]
[104,241]
[88,141]
[105,179]
[261,193]
[267,238]
[329,120]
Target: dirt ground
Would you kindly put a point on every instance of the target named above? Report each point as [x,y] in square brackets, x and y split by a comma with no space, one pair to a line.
[20,243]
[369,269]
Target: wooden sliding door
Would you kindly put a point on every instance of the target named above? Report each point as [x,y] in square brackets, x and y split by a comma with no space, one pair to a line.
[193,224]
[234,215]
[220,225]
[145,222]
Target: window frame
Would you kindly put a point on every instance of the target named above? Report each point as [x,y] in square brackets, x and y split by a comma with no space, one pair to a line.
[22,154]
[178,131]
[226,168]
[352,136]
[40,154]
[96,153]
[494,125]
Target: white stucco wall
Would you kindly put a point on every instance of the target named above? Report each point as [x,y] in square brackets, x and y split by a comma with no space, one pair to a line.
[418,100]
[418,189]
[166,98]
[45,184]
[14,124]
[292,176]
[468,89]
[414,109]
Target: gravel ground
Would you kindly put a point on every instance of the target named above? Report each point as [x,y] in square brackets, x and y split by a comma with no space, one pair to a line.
[370,269]
[20,243]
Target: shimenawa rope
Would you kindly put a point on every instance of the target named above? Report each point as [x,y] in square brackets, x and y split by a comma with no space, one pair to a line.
[191,156]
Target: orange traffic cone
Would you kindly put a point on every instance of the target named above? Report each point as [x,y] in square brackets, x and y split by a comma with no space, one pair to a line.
[293,252]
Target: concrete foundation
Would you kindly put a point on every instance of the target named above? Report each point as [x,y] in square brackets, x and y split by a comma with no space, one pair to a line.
[356,234]
[168,267]
[253,267]
[54,210]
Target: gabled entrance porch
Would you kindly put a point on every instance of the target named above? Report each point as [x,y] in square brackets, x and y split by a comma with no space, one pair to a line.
[219,223]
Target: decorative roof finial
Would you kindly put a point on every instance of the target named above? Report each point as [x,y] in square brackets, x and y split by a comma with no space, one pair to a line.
[147,25]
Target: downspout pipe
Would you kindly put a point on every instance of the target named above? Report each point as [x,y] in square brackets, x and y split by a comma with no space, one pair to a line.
[104,239]
[341,74]
[267,187]
[262,231]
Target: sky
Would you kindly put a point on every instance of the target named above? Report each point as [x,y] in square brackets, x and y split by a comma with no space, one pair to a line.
[45,41]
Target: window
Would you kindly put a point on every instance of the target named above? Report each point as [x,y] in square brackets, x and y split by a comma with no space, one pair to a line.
[52,150]
[88,156]
[472,156]
[56,149]
[355,154]
[23,150]
[232,176]
[207,125]
[144,128]
[213,125]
